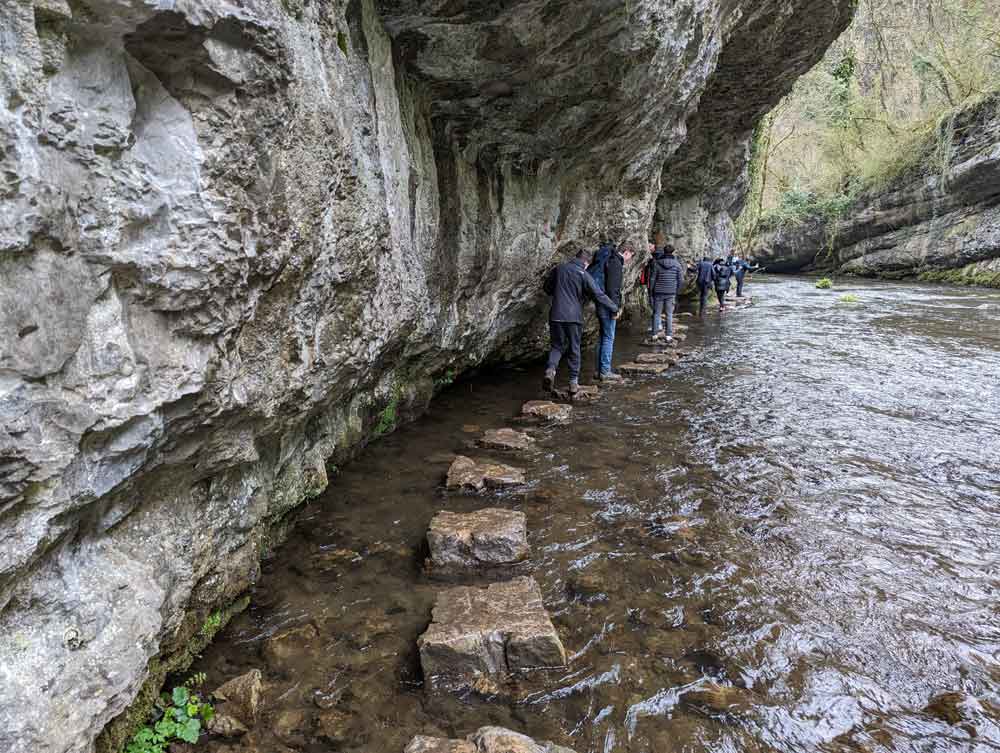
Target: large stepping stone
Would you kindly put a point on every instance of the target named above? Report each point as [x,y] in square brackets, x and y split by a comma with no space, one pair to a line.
[473,541]
[506,439]
[489,633]
[669,358]
[473,475]
[644,368]
[679,337]
[546,409]
[484,740]
[587,393]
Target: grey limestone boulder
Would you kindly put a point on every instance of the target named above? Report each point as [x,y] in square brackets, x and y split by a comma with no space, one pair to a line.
[483,539]
[476,475]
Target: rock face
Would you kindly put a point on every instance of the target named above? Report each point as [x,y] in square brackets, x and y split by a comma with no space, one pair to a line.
[237,240]
[483,740]
[472,541]
[489,633]
[941,224]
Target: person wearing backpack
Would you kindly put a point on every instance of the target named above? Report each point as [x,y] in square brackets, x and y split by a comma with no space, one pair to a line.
[608,271]
[706,276]
[569,284]
[665,281]
[723,272]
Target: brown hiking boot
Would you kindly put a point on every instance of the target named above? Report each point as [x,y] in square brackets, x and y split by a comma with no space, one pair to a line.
[548,380]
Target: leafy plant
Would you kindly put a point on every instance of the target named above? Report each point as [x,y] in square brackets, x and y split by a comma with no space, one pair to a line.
[824,283]
[387,418]
[212,624]
[849,298]
[178,716]
[445,379]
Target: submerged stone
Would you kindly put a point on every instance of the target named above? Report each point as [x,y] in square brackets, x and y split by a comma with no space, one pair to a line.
[466,473]
[484,740]
[506,439]
[644,368]
[587,393]
[486,538]
[241,704]
[715,697]
[281,647]
[547,410]
[665,357]
[494,631]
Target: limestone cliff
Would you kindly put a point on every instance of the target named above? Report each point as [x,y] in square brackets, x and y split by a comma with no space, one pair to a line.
[938,221]
[240,239]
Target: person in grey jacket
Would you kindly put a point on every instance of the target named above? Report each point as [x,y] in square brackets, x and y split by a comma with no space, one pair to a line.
[569,285]
[665,281]
[706,276]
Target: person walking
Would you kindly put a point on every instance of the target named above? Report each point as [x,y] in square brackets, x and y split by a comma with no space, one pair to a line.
[569,284]
[723,272]
[706,276]
[665,281]
[609,278]
[740,269]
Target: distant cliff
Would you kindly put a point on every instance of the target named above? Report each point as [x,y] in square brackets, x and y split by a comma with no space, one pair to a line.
[935,222]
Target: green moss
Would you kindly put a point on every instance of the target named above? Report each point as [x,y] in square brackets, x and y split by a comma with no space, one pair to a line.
[962,276]
[130,721]
[342,41]
[824,283]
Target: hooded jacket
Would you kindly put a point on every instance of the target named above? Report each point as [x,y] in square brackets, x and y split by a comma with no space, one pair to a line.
[666,277]
[723,272]
[706,275]
[569,285]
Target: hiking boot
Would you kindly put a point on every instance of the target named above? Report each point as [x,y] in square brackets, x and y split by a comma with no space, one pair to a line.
[548,380]
[574,387]
[611,376]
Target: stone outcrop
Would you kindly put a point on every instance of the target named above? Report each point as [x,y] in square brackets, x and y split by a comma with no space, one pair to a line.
[487,538]
[939,223]
[476,475]
[239,240]
[484,740]
[488,633]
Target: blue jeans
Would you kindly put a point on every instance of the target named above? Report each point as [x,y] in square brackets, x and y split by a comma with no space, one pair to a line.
[606,341]
[664,303]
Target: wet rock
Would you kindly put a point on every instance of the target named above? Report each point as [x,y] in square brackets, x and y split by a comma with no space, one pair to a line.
[470,428]
[667,357]
[281,647]
[241,697]
[484,740]
[224,725]
[486,538]
[587,393]
[334,726]
[946,707]
[644,368]
[546,409]
[472,475]
[290,726]
[506,439]
[441,458]
[494,631]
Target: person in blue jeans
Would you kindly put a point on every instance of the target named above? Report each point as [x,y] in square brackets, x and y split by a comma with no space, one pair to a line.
[666,279]
[614,272]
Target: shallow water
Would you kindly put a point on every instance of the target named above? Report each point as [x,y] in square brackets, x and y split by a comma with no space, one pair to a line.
[805,512]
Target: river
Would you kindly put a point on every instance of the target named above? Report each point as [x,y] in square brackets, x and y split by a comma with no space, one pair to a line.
[789,542]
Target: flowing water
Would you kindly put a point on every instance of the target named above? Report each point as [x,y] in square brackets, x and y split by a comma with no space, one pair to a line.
[789,542]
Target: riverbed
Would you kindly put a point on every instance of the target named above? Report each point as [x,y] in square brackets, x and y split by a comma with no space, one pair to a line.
[788,542]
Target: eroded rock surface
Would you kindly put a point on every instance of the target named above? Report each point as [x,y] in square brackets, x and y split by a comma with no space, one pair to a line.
[484,740]
[644,368]
[487,538]
[932,222]
[476,475]
[489,632]
[547,410]
[506,439]
[238,240]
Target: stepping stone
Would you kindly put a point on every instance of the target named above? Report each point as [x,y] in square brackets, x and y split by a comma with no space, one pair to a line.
[486,538]
[484,740]
[506,439]
[587,393]
[489,633]
[667,358]
[466,473]
[547,410]
[644,368]
[679,337]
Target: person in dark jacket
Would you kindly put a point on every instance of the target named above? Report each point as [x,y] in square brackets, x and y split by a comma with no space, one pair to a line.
[706,276]
[723,272]
[740,270]
[614,272]
[665,281]
[569,284]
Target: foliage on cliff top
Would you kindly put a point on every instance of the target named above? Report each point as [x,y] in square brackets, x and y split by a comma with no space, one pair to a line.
[881,104]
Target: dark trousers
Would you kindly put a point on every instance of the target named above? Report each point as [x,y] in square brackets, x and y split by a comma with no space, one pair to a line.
[703,290]
[565,343]
[739,286]
[721,295]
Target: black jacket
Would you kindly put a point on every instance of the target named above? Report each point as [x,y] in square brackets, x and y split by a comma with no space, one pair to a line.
[613,277]
[666,276]
[569,285]
[722,274]
[705,272]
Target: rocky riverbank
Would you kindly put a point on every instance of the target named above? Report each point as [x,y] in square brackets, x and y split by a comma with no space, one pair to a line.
[939,221]
[239,242]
